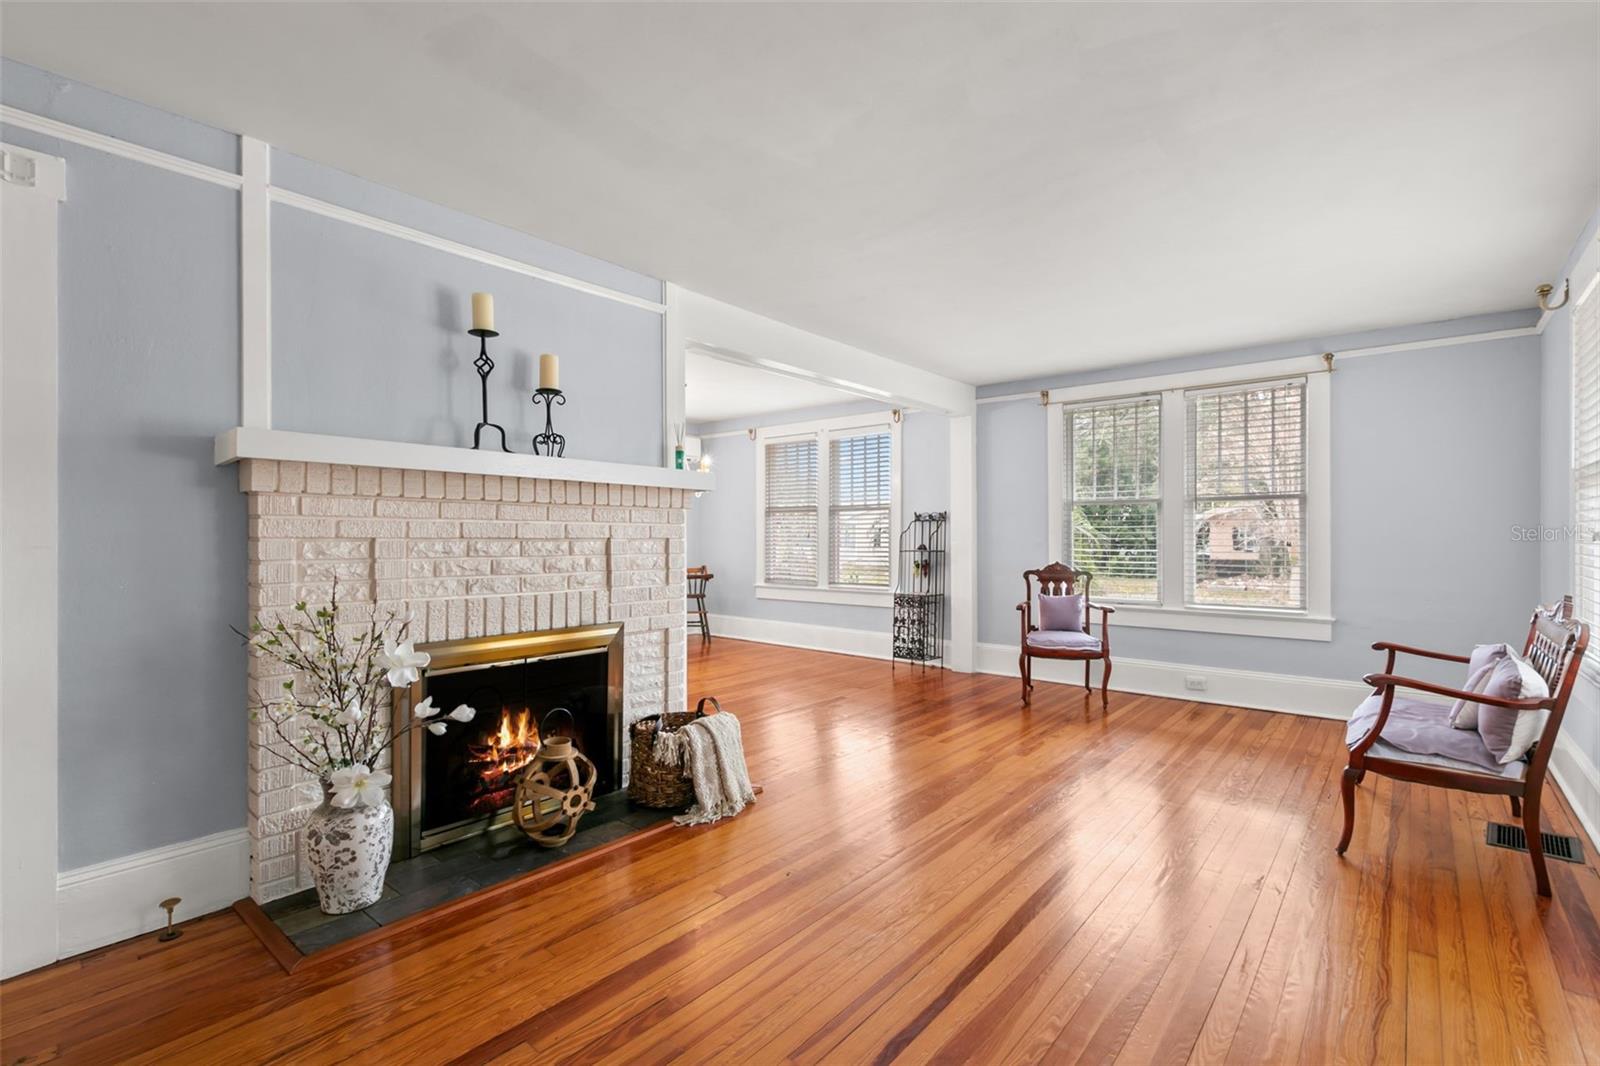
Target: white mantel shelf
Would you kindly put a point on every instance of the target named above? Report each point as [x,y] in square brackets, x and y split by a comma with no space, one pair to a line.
[245,442]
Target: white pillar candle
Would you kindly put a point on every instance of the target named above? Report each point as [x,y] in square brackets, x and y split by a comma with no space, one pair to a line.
[482,311]
[549,371]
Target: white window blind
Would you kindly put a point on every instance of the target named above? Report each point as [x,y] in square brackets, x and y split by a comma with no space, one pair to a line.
[790,538]
[859,468]
[1112,496]
[1586,452]
[1246,495]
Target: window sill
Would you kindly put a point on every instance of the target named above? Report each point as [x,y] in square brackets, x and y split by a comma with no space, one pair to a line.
[1244,623]
[805,594]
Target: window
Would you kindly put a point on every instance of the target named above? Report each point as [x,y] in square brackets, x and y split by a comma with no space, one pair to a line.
[791,504]
[858,513]
[1246,489]
[1586,451]
[1199,501]
[1113,496]
[828,496]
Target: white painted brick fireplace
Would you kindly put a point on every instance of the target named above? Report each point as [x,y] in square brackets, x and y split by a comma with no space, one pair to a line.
[467,554]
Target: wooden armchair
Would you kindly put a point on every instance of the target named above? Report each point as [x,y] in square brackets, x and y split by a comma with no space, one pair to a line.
[1555,646]
[1058,579]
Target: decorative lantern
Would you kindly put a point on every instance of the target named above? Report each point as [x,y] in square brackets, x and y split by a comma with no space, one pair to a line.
[555,790]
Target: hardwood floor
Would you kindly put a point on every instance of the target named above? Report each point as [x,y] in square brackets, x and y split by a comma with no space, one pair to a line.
[934,873]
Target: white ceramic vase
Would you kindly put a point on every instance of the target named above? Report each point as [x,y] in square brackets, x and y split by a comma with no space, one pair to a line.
[348,850]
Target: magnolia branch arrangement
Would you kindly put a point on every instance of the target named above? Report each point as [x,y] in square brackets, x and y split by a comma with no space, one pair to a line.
[332,716]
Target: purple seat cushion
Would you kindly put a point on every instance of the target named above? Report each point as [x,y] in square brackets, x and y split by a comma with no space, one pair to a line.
[1062,640]
[1422,728]
[1063,614]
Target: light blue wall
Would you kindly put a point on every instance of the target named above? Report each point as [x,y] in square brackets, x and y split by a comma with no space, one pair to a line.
[152,541]
[1555,515]
[367,341]
[722,524]
[1432,462]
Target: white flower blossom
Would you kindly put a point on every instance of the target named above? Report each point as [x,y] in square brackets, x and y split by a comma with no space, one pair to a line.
[403,662]
[356,785]
[437,728]
[425,709]
[352,713]
[463,713]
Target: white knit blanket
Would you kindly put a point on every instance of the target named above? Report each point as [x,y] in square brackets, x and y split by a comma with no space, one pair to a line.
[711,752]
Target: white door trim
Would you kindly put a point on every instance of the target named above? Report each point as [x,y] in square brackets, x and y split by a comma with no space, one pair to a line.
[962,595]
[32,185]
[255,285]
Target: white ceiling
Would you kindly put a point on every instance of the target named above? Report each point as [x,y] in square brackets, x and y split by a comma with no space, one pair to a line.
[990,191]
[716,389]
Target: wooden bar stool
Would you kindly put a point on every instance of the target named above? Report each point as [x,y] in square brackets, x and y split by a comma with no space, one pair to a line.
[699,577]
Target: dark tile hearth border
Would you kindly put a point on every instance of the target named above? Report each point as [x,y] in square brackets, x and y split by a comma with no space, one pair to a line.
[459,875]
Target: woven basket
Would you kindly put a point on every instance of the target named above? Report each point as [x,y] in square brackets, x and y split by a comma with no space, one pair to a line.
[652,784]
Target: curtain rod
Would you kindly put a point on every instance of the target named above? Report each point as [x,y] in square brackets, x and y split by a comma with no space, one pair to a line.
[1347,353]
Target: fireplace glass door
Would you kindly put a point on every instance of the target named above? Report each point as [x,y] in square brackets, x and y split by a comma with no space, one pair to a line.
[463,781]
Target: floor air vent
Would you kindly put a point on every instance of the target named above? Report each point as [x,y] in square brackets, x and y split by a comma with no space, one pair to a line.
[1567,849]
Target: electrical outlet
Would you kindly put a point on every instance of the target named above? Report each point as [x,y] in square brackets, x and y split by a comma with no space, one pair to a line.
[1194,682]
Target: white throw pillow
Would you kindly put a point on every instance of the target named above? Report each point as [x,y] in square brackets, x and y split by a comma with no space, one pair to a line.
[1480,667]
[1464,713]
[1529,725]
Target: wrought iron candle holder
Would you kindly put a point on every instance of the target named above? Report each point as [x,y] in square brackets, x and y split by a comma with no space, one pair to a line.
[485,367]
[551,442]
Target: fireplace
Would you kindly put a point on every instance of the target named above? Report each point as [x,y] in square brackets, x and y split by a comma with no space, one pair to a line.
[461,782]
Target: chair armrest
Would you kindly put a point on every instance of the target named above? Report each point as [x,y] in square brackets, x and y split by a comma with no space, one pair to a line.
[1385,681]
[1026,612]
[1384,645]
[1105,626]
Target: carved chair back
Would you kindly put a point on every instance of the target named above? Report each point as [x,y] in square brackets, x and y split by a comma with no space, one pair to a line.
[1555,646]
[1057,579]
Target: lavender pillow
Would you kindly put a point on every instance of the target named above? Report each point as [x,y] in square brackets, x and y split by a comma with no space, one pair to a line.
[1508,734]
[1061,613]
[1480,665]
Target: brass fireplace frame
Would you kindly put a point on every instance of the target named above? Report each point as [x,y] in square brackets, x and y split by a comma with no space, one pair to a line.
[477,653]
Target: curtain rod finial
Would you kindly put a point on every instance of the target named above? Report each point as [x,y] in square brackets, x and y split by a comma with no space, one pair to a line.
[1544,292]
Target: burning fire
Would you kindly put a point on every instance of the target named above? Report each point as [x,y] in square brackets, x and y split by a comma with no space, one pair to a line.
[502,753]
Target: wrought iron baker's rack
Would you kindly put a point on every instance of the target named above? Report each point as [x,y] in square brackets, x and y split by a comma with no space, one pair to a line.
[919,597]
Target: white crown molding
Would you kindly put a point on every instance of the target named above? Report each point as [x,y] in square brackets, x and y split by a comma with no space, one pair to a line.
[303,202]
[113,146]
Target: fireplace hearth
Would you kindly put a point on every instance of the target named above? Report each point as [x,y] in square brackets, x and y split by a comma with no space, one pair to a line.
[461,783]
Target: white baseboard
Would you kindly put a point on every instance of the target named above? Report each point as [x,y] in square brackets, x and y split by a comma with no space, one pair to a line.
[1315,696]
[110,901]
[1580,783]
[1287,693]
[868,643]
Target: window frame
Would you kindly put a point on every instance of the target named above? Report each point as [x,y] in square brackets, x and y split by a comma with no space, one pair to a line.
[1172,609]
[1068,464]
[823,431]
[1586,291]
